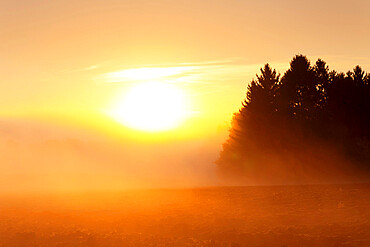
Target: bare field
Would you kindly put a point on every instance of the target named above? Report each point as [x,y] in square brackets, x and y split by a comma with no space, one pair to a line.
[315,215]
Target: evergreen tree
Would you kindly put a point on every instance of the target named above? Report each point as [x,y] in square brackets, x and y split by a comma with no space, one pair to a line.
[286,121]
[258,107]
[300,90]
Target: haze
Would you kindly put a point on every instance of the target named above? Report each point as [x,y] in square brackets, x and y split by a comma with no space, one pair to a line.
[64,64]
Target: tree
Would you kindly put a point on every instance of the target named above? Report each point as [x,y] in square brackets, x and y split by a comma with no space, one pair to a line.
[259,106]
[300,89]
[261,93]
[300,124]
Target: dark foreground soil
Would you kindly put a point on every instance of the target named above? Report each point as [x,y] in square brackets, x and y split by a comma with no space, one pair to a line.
[319,215]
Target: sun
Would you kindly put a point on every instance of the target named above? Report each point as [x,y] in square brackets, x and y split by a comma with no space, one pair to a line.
[151,106]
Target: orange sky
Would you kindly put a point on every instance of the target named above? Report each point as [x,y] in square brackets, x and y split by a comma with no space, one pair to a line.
[56,58]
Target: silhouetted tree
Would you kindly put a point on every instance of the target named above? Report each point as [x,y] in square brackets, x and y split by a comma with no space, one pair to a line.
[300,89]
[260,103]
[261,94]
[259,106]
[286,121]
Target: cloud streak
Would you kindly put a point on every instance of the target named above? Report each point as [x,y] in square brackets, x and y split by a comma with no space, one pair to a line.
[207,77]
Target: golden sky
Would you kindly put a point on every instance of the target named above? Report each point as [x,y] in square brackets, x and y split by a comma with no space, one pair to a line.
[67,63]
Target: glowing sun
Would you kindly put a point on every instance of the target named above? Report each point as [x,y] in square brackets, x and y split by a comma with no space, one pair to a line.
[151,106]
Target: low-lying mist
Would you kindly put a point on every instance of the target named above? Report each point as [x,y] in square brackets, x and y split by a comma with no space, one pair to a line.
[39,157]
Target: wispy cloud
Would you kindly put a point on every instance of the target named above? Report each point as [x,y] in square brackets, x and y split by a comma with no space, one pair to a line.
[146,73]
[91,67]
[206,72]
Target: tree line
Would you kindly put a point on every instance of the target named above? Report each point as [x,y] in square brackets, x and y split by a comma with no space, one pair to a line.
[308,124]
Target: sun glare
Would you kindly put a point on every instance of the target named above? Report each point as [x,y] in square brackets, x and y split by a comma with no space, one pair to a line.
[151,106]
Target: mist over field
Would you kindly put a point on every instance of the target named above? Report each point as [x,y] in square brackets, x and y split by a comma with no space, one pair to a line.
[41,157]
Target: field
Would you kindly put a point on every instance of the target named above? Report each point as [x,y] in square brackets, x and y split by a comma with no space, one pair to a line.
[315,215]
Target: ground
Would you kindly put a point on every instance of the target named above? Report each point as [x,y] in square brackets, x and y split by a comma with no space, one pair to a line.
[310,215]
